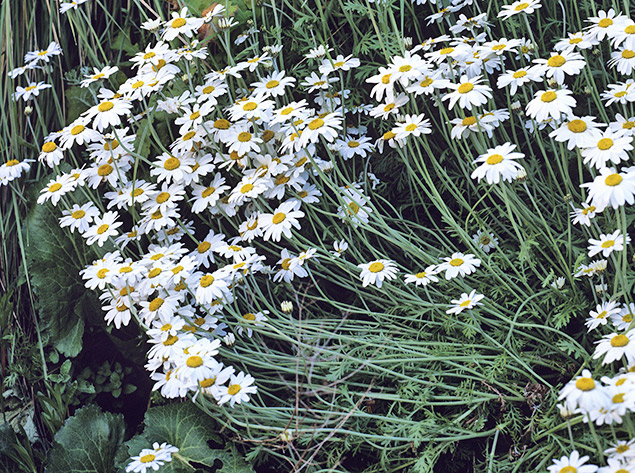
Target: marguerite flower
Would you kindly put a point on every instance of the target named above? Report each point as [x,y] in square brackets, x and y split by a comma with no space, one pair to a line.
[607,244]
[376,271]
[612,188]
[466,301]
[468,92]
[497,163]
[459,265]
[550,103]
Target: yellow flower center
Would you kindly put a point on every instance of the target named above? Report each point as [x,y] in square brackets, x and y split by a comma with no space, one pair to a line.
[246,188]
[617,399]
[445,51]
[209,89]
[605,22]
[55,187]
[456,262]
[207,280]
[244,136]
[411,127]
[195,115]
[78,214]
[249,106]
[519,74]
[278,218]
[465,303]
[376,267]
[605,143]
[154,273]
[494,159]
[147,458]
[386,79]
[575,40]
[49,147]
[206,383]
[203,246]
[426,82]
[171,340]
[630,29]
[171,163]
[286,263]
[104,170]
[627,318]
[405,68]
[577,126]
[608,244]
[619,341]
[178,22]
[315,124]
[499,47]
[568,469]
[272,84]
[105,106]
[339,64]
[465,88]
[389,135]
[613,180]
[114,144]
[222,124]
[354,144]
[194,361]
[155,304]
[249,316]
[233,389]
[137,84]
[97,76]
[622,448]
[585,384]
[389,107]
[521,6]
[548,96]
[77,129]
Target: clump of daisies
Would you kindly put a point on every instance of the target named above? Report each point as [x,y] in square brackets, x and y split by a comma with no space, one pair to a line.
[151,459]
[34,62]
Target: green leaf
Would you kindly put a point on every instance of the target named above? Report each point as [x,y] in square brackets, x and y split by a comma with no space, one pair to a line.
[187,428]
[54,263]
[87,442]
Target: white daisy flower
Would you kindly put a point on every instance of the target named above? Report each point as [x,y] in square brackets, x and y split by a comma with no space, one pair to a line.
[377,271]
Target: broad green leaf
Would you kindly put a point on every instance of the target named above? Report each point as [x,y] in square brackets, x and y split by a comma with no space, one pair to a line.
[54,265]
[187,428]
[87,442]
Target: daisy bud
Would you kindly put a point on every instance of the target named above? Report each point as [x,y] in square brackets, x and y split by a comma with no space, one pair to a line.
[521,175]
[287,307]
[552,82]
[564,410]
[596,52]
[185,78]
[567,198]
[407,42]
[28,110]
[516,106]
[286,436]
[588,90]
[229,339]
[600,289]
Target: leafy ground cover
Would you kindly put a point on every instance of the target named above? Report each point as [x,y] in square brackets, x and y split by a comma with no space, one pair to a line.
[324,236]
